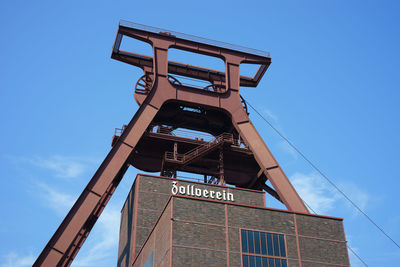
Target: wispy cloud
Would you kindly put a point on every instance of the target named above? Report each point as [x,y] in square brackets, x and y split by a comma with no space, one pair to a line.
[59,202]
[61,166]
[322,197]
[314,191]
[67,167]
[102,244]
[13,259]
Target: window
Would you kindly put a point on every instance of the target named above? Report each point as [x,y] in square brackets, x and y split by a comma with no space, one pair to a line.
[260,249]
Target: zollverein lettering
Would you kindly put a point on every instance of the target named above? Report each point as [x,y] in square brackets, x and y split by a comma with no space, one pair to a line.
[192,190]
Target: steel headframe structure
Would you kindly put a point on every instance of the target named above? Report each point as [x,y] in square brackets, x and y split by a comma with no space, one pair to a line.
[237,155]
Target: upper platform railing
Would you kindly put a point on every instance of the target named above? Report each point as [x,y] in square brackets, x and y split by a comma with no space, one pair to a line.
[193,38]
[193,44]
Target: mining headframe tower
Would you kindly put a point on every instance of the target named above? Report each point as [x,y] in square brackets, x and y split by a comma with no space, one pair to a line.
[220,221]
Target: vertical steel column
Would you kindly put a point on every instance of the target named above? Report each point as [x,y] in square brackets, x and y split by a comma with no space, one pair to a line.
[221,166]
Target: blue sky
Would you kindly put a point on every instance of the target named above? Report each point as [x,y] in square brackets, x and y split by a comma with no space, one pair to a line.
[332,89]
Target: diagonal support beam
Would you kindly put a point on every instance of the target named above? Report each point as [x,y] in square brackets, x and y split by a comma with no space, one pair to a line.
[70,235]
[270,167]
[271,191]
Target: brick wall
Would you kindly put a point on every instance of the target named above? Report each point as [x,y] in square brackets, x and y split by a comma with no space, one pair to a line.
[150,195]
[203,232]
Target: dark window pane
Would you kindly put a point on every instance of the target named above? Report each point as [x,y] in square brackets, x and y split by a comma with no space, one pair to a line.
[276,245]
[252,261]
[269,243]
[251,241]
[257,242]
[283,262]
[282,245]
[277,263]
[244,241]
[245,261]
[271,263]
[265,262]
[263,244]
[258,262]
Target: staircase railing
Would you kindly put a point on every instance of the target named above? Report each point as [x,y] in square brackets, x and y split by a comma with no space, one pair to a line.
[198,151]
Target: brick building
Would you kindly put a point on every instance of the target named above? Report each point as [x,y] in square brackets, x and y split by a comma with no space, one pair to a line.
[171,222]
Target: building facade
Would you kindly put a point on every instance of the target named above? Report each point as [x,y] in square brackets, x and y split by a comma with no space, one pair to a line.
[171,222]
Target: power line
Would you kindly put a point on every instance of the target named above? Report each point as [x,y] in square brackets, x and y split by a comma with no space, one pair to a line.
[326,178]
[357,255]
[323,175]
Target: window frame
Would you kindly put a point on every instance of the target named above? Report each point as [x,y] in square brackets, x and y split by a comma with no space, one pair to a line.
[261,255]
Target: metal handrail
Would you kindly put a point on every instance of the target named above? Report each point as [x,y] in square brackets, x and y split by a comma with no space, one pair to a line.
[189,37]
[225,137]
[119,131]
[183,133]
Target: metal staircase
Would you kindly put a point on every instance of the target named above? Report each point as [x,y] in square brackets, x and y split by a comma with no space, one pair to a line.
[175,160]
